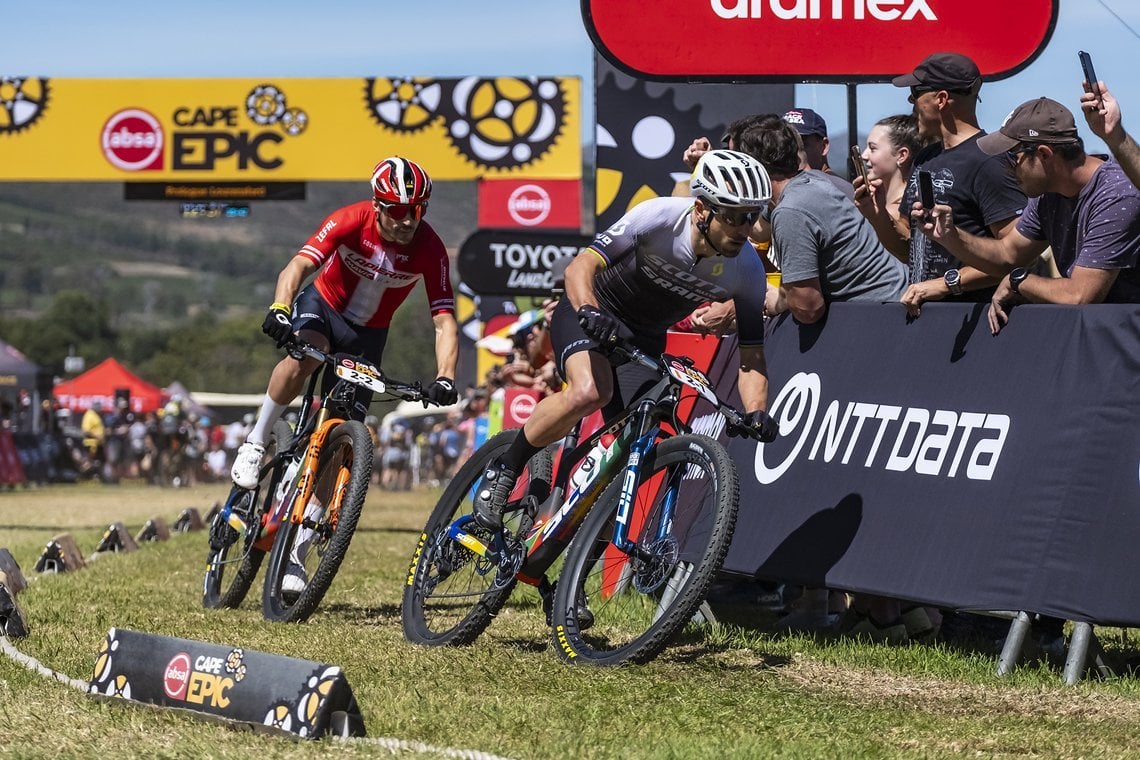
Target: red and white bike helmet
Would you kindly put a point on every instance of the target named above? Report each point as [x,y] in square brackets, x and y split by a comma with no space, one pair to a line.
[397,180]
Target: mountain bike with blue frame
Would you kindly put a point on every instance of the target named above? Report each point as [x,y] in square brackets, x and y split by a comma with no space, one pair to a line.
[647,517]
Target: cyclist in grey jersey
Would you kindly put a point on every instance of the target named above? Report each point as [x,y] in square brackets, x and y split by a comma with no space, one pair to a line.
[653,277]
[653,267]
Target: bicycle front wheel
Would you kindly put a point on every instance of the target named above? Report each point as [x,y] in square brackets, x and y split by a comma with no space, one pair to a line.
[452,593]
[306,556]
[234,560]
[681,520]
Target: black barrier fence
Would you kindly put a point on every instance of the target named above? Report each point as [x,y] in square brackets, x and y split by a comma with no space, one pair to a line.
[930,460]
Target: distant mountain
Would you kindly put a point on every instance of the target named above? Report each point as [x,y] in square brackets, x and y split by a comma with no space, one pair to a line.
[153,265]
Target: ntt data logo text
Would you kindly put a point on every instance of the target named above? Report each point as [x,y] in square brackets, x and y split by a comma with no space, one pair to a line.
[939,442]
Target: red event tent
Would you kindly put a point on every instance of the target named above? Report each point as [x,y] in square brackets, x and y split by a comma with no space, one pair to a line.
[100,383]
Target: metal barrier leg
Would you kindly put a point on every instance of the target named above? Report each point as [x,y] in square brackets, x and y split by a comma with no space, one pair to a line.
[1078,652]
[1011,650]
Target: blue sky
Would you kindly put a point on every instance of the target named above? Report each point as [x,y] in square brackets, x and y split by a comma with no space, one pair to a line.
[349,38]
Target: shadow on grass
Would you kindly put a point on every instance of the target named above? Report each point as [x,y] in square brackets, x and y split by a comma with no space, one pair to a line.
[383,614]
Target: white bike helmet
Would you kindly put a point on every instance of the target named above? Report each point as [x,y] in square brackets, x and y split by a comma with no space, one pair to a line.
[731,179]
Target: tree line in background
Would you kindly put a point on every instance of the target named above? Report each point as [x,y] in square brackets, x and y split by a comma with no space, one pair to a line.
[204,352]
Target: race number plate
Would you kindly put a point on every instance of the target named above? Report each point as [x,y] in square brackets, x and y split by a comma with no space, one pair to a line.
[361,374]
[692,377]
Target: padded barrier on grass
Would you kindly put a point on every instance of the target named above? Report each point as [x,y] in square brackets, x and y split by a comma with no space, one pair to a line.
[930,460]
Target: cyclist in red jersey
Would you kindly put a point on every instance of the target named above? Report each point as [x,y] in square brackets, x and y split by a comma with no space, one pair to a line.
[370,255]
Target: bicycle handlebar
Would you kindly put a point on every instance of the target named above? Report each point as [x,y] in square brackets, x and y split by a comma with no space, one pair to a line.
[735,417]
[299,349]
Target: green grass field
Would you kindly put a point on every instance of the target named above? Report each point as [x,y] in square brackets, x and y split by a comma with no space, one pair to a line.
[722,691]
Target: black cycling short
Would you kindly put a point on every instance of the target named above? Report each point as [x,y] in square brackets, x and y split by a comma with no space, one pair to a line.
[313,313]
[630,379]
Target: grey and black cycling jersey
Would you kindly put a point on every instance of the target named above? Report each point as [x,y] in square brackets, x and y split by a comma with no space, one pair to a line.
[653,279]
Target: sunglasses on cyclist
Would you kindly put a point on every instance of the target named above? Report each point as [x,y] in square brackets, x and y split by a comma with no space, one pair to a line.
[400,211]
[736,218]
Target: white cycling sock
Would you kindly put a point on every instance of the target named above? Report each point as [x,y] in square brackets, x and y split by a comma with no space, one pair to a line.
[270,412]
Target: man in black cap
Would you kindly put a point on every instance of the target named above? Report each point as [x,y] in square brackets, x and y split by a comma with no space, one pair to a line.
[1084,206]
[979,188]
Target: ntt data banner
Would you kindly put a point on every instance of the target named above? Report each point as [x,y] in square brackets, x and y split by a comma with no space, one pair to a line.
[933,461]
[211,130]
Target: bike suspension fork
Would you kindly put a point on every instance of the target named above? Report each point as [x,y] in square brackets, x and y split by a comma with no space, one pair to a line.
[642,444]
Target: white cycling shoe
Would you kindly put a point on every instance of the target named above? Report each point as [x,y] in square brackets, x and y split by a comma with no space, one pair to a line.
[247,465]
[295,579]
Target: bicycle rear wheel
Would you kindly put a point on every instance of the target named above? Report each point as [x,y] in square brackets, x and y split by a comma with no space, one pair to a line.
[313,550]
[232,566]
[452,593]
[638,602]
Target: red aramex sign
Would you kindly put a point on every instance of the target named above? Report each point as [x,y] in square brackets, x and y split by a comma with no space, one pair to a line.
[551,203]
[821,40]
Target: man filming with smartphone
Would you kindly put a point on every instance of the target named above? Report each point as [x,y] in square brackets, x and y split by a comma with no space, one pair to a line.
[986,200]
[1082,205]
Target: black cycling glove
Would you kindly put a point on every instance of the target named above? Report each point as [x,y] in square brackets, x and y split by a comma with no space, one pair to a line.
[277,324]
[442,391]
[758,425]
[598,325]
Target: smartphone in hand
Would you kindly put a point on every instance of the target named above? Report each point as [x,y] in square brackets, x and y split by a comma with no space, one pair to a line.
[925,189]
[857,160]
[1090,74]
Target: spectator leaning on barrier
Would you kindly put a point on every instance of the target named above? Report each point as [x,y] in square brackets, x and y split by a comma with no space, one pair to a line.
[944,91]
[1082,205]
[824,247]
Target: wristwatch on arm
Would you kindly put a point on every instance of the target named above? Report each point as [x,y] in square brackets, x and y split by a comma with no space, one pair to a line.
[1016,277]
[953,280]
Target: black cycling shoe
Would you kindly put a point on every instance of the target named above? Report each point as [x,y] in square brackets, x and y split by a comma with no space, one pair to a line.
[581,610]
[492,495]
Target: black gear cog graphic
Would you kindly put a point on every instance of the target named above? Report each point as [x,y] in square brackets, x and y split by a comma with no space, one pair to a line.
[505,122]
[405,104]
[23,101]
[624,174]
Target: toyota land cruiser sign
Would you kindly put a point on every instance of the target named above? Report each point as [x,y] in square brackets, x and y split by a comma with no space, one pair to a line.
[837,40]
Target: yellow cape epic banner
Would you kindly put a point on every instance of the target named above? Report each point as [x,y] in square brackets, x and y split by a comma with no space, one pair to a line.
[211,130]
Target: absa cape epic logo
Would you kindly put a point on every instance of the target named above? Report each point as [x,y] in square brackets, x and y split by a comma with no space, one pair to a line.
[132,140]
[838,40]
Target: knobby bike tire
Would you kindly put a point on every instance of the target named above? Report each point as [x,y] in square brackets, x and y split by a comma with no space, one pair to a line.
[348,446]
[451,594]
[228,578]
[638,605]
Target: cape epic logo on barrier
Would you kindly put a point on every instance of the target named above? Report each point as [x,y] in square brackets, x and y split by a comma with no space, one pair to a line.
[938,442]
[845,37]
